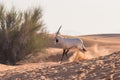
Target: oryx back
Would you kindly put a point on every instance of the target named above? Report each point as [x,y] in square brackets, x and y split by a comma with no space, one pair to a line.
[72,43]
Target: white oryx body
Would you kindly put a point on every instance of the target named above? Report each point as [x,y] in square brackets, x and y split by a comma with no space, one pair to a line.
[68,43]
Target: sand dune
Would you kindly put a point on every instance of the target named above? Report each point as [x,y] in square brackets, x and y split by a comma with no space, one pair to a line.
[101,62]
[97,45]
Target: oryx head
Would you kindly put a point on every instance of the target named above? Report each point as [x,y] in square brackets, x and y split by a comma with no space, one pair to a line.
[57,33]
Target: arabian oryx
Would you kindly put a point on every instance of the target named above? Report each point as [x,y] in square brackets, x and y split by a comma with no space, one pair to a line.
[68,43]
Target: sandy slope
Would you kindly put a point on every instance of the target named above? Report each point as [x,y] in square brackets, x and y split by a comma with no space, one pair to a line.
[107,68]
[102,68]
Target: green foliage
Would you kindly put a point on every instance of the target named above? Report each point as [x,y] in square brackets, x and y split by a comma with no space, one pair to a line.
[18,34]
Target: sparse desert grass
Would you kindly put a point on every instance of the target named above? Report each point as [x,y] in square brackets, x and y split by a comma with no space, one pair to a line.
[18,34]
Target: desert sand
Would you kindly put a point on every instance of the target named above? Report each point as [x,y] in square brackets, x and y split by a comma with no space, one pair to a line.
[101,62]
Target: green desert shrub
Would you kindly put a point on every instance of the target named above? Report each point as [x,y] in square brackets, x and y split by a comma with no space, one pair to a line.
[18,34]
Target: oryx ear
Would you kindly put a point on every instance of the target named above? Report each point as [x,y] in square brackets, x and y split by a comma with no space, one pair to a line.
[58,30]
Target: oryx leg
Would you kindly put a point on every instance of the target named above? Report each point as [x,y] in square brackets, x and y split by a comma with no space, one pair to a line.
[65,51]
[63,54]
[84,49]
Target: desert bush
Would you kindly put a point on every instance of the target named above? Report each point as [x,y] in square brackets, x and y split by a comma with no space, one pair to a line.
[18,34]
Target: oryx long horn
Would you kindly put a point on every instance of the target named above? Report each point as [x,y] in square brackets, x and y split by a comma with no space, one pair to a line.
[58,30]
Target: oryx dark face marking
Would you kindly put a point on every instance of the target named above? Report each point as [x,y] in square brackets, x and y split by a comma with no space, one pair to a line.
[57,40]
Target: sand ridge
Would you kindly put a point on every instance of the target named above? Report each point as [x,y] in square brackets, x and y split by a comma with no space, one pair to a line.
[102,62]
